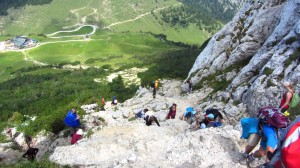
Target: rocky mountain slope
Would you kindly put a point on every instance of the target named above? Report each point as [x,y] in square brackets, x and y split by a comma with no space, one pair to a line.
[240,70]
[124,143]
[253,54]
[119,141]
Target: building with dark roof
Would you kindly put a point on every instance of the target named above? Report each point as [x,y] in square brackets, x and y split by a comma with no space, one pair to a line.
[19,41]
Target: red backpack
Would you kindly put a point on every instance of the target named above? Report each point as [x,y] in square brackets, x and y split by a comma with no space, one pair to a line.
[290,153]
[273,116]
[287,155]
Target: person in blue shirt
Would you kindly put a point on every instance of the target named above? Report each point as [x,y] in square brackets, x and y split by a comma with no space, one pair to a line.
[189,115]
[72,120]
[268,143]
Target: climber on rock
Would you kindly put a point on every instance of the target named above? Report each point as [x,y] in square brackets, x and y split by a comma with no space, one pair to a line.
[189,115]
[31,153]
[149,118]
[172,112]
[72,120]
[141,114]
[114,101]
[77,136]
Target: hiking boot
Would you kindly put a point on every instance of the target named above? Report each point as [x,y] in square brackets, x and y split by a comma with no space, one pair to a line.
[243,160]
[252,161]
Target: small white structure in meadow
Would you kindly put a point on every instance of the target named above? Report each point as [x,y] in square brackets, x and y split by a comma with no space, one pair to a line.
[2,46]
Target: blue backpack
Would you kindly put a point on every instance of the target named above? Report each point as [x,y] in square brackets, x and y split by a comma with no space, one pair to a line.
[189,112]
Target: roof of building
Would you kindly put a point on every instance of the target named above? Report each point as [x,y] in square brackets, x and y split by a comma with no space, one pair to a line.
[19,41]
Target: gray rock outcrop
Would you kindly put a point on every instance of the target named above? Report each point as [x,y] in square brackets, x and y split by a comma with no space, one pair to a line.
[253,54]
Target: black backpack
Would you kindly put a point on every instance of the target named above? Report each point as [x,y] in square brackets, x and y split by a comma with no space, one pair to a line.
[152,84]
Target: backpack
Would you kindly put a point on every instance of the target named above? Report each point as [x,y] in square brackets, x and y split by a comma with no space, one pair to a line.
[287,155]
[152,84]
[291,147]
[273,116]
[249,126]
[189,112]
[156,84]
[295,100]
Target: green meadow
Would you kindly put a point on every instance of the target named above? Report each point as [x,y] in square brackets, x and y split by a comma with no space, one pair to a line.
[118,50]
[190,35]
[112,49]
[61,14]
[11,62]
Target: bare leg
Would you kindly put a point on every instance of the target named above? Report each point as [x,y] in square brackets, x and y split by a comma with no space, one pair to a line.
[248,149]
[259,153]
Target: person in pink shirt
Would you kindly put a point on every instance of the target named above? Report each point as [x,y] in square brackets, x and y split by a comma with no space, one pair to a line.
[76,136]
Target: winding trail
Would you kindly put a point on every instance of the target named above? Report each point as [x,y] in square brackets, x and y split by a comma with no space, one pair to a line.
[83,19]
[70,31]
[138,17]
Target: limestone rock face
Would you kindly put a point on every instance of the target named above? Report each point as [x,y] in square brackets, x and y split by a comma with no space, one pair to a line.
[130,143]
[253,54]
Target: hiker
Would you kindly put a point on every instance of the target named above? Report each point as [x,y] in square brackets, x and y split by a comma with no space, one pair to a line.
[172,112]
[250,131]
[28,140]
[149,118]
[114,101]
[189,115]
[217,115]
[152,85]
[141,114]
[211,121]
[102,104]
[77,136]
[189,82]
[9,132]
[156,83]
[72,120]
[31,153]
[287,97]
[268,143]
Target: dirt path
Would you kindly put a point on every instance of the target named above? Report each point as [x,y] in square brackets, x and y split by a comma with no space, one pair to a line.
[136,18]
[26,58]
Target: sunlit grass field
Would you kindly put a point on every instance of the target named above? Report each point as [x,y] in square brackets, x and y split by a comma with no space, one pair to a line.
[11,62]
[60,14]
[114,48]
[104,47]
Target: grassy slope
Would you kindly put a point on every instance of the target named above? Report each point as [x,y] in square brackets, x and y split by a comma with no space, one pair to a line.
[10,62]
[190,35]
[105,46]
[40,19]
[116,49]
[126,45]
[54,16]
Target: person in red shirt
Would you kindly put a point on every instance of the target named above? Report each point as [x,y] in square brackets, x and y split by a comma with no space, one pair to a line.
[287,96]
[76,136]
[172,112]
